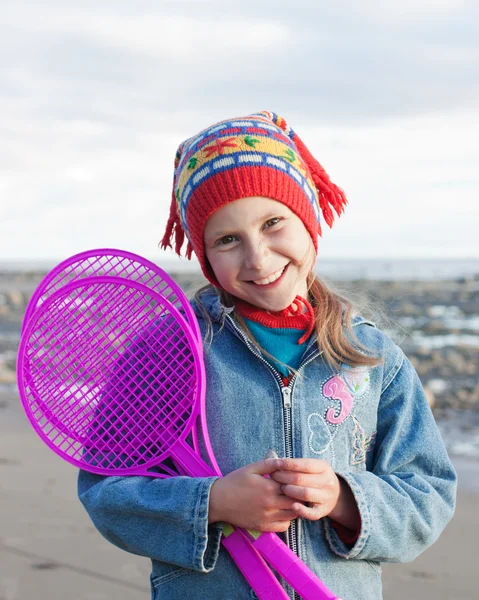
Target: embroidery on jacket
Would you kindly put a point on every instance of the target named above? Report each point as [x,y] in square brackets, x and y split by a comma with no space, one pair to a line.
[350,383]
[320,434]
[336,389]
[357,379]
[361,443]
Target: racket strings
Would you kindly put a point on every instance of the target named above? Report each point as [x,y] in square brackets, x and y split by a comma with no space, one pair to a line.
[77,335]
[142,424]
[158,377]
[112,265]
[94,348]
[67,368]
[117,424]
[98,331]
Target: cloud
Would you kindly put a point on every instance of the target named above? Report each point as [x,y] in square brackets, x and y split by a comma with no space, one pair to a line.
[408,12]
[95,97]
[346,61]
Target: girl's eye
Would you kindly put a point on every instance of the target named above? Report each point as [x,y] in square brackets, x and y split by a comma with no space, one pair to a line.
[227,239]
[273,221]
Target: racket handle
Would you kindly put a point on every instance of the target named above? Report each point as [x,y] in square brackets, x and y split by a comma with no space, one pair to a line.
[254,569]
[292,568]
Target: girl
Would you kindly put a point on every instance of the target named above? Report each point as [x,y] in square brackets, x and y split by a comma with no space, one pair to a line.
[363,476]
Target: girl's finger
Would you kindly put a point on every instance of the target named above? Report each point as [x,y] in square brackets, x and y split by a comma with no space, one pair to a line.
[285,502]
[288,515]
[303,494]
[301,479]
[302,465]
[313,512]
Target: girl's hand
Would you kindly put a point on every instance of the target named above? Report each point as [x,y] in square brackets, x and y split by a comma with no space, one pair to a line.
[317,490]
[247,499]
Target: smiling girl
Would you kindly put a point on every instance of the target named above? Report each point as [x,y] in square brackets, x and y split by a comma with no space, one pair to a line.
[362,475]
[260,252]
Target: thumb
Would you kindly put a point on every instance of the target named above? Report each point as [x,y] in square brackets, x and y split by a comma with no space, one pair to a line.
[271,454]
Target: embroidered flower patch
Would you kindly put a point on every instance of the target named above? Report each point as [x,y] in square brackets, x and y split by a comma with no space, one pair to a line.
[357,379]
[361,443]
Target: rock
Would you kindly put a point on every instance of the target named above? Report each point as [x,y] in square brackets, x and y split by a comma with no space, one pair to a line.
[437,386]
[430,396]
[435,327]
[6,375]
[409,309]
[456,360]
[15,299]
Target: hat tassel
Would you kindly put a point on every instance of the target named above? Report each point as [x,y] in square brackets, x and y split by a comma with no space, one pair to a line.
[174,230]
[330,195]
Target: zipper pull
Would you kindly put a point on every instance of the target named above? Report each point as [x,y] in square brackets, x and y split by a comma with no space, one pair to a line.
[286,391]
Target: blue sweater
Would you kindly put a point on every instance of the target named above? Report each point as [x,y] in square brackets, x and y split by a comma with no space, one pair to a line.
[280,342]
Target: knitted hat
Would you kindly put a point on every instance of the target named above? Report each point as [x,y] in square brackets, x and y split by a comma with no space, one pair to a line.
[257,155]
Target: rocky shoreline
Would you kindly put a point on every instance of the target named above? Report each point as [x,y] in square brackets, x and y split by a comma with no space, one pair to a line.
[435,322]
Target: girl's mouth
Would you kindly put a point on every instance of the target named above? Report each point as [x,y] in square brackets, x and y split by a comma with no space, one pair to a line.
[272,280]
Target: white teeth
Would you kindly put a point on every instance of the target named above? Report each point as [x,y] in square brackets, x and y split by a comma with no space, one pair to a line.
[270,278]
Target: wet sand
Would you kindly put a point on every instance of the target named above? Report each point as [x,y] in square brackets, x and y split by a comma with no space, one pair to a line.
[49,550]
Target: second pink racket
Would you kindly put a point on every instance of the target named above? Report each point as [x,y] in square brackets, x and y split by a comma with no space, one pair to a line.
[138,381]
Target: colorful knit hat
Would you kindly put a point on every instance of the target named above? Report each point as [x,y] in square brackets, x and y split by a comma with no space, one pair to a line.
[257,155]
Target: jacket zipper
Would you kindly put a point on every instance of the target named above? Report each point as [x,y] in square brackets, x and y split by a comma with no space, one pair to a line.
[287,397]
[287,391]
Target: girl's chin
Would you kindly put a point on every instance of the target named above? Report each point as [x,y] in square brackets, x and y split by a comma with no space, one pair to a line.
[274,305]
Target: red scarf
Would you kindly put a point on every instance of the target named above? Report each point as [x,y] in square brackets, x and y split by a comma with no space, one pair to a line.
[298,315]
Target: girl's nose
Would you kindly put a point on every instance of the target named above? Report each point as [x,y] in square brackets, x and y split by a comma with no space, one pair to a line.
[256,256]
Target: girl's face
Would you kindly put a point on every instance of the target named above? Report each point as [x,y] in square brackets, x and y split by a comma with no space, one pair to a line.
[259,251]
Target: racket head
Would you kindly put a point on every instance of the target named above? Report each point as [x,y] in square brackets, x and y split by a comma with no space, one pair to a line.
[116,263]
[110,375]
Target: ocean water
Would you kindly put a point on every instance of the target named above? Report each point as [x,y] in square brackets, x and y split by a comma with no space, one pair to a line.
[335,269]
[398,269]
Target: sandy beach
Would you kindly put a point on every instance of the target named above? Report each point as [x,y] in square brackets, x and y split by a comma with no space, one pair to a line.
[50,550]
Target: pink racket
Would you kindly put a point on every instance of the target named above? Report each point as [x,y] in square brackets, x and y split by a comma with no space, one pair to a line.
[112,379]
[120,263]
[112,262]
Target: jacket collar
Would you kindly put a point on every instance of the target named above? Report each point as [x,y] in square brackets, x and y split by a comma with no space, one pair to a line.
[212,303]
[217,311]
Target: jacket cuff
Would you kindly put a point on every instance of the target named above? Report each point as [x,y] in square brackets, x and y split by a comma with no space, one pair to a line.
[207,536]
[346,535]
[337,545]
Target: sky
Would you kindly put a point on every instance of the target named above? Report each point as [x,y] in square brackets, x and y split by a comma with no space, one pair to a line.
[95,97]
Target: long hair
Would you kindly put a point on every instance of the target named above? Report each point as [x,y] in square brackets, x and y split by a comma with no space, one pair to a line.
[333,312]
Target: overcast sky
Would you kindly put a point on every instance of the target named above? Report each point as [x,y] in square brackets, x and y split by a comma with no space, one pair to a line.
[96,96]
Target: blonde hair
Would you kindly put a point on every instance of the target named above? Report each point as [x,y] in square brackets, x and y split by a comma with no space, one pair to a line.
[333,325]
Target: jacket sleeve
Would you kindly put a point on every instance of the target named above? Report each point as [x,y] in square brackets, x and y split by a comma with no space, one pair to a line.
[163,519]
[408,497]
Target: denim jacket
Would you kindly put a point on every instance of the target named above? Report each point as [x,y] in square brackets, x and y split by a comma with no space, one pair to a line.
[373,425]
